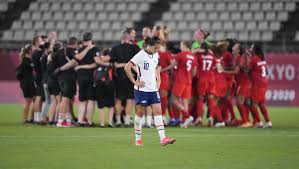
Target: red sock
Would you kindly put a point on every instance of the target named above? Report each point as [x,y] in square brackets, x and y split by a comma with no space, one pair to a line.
[242,112]
[199,107]
[225,111]
[164,105]
[186,114]
[231,108]
[175,112]
[255,113]
[211,106]
[264,112]
[218,114]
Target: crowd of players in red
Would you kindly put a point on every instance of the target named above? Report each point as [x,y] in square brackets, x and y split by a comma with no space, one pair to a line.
[219,74]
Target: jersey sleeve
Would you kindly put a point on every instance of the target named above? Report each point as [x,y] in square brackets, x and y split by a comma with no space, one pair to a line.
[112,55]
[136,59]
[96,52]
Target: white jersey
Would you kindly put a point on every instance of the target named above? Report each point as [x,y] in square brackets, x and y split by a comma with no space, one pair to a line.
[146,65]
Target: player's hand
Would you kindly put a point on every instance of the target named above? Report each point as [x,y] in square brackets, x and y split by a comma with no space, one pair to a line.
[77,68]
[139,83]
[158,84]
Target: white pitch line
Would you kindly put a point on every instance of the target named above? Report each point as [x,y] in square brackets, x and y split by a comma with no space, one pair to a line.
[178,136]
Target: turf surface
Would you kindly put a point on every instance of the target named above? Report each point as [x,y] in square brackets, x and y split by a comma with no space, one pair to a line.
[40,147]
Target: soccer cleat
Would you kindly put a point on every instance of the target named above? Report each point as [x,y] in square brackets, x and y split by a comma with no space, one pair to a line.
[198,122]
[167,140]
[138,143]
[110,125]
[258,125]
[268,125]
[63,124]
[187,122]
[172,122]
[246,125]
[219,124]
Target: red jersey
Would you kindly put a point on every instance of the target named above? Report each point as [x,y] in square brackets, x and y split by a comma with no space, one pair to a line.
[185,63]
[242,76]
[258,72]
[206,65]
[228,62]
[219,76]
[164,60]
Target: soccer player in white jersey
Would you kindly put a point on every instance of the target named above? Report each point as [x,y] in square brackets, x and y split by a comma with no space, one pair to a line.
[146,88]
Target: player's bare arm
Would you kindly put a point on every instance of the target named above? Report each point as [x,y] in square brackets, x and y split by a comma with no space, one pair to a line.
[129,73]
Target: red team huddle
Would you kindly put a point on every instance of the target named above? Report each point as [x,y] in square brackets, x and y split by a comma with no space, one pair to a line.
[216,74]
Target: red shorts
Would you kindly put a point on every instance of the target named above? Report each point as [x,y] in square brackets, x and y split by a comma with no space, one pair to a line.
[243,89]
[182,90]
[206,86]
[164,82]
[221,89]
[258,93]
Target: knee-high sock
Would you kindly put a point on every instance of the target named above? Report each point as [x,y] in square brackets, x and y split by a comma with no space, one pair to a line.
[160,126]
[255,113]
[218,114]
[211,107]
[175,112]
[241,109]
[199,107]
[264,112]
[164,105]
[231,108]
[138,127]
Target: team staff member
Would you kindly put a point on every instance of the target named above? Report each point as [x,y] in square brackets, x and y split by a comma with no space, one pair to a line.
[120,55]
[146,88]
[53,85]
[66,76]
[36,58]
[25,76]
[46,104]
[85,71]
[105,89]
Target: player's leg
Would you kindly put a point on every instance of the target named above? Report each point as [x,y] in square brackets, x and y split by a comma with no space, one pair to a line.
[140,110]
[28,102]
[164,101]
[149,117]
[158,120]
[128,110]
[89,112]
[189,118]
[46,104]
[118,110]
[52,111]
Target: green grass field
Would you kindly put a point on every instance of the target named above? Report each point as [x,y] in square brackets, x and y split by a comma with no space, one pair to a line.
[40,147]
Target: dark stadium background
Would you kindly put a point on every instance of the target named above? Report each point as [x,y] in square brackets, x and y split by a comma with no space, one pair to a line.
[271,23]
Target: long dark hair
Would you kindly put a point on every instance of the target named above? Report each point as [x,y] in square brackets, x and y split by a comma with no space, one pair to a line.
[257,50]
[151,41]
[205,47]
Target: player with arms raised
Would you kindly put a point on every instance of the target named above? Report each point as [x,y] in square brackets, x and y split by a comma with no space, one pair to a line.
[146,88]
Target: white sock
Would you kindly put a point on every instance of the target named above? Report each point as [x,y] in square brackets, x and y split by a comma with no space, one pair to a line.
[68,117]
[127,119]
[39,116]
[138,127]
[160,126]
[149,120]
[35,116]
[60,117]
[118,121]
